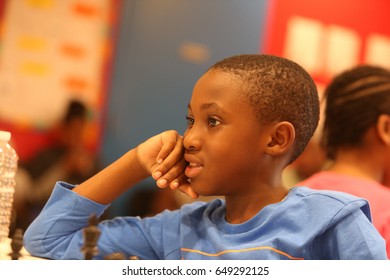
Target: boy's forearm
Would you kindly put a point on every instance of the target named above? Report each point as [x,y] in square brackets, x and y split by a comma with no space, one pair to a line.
[114,180]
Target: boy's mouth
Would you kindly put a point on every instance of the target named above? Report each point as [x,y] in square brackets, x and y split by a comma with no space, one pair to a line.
[193,169]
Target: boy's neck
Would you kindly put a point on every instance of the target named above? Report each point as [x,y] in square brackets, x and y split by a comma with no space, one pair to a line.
[240,209]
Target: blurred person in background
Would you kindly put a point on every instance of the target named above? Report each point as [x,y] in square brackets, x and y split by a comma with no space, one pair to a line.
[67,159]
[356,135]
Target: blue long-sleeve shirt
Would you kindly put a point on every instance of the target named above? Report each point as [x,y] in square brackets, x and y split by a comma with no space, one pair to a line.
[307,224]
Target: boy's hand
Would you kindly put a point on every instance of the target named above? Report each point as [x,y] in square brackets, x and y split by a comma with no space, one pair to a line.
[162,157]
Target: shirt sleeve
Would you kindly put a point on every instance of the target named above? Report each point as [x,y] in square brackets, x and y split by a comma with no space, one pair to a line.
[57,233]
[353,237]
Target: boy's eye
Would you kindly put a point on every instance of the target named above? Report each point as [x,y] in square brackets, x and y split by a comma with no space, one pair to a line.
[213,121]
[190,121]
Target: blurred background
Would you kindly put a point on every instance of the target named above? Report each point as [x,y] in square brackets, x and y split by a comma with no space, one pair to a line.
[133,64]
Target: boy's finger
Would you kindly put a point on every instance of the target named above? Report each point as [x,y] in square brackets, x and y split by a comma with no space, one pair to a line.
[180,180]
[186,188]
[175,155]
[171,141]
[173,162]
[174,172]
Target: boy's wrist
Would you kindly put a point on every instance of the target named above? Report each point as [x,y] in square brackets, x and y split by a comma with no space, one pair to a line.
[142,167]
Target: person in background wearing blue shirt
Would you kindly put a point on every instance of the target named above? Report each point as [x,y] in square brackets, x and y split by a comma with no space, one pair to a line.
[249,117]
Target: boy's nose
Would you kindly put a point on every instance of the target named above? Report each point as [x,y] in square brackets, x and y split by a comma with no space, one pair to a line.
[191,139]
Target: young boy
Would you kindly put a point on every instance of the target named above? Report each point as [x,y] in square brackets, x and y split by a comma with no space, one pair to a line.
[249,117]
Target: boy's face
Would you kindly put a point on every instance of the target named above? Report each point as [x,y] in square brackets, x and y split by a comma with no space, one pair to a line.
[224,142]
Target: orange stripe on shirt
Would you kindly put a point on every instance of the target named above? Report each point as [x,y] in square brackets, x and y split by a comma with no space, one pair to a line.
[240,251]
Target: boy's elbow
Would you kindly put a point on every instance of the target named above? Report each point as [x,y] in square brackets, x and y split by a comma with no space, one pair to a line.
[32,242]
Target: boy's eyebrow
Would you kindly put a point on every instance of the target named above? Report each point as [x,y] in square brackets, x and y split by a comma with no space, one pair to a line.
[206,106]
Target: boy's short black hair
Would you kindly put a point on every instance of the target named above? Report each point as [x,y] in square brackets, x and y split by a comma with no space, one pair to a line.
[278,89]
[354,100]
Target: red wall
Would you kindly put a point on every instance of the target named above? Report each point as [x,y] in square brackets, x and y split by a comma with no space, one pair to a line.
[362,17]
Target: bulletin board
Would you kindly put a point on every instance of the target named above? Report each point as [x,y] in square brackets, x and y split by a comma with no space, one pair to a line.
[53,51]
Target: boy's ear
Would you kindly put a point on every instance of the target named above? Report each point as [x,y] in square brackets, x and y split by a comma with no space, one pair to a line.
[383,128]
[281,138]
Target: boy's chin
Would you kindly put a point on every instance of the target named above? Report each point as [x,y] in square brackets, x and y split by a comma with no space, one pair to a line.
[203,189]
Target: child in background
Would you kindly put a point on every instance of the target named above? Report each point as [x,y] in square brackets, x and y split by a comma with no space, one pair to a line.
[248,118]
[357,138]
